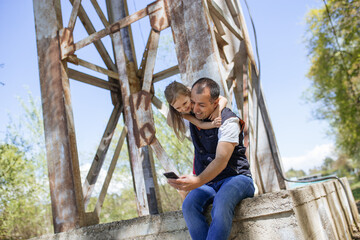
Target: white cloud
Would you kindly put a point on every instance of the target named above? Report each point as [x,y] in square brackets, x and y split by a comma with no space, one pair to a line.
[311,159]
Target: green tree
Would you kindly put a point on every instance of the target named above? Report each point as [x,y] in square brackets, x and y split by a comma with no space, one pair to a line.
[24,184]
[334,48]
[328,164]
[23,213]
[292,173]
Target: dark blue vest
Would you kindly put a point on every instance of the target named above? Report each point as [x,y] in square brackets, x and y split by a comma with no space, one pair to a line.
[205,142]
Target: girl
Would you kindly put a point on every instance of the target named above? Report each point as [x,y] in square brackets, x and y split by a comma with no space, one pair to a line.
[178,97]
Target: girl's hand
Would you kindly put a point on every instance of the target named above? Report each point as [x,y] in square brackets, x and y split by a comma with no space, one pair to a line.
[215,114]
[216,122]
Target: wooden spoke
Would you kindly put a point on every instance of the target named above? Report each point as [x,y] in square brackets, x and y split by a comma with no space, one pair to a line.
[150,60]
[218,13]
[100,13]
[110,172]
[74,14]
[86,78]
[106,31]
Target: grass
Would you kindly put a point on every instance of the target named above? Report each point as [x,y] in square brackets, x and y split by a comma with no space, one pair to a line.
[355,188]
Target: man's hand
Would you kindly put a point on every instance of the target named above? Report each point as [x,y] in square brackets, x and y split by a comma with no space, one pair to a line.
[185,182]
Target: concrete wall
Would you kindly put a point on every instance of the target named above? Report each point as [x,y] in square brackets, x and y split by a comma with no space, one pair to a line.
[316,211]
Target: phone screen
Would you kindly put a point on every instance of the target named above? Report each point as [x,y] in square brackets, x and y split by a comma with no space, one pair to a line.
[171,175]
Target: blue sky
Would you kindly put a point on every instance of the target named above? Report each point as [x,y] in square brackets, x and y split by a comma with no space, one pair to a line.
[280,28]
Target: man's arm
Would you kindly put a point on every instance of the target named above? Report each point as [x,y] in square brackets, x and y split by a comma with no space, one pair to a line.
[189,182]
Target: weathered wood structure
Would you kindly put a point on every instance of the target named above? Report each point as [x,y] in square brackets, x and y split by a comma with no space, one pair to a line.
[211,40]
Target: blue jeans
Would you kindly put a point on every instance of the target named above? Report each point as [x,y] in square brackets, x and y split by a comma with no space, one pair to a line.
[225,195]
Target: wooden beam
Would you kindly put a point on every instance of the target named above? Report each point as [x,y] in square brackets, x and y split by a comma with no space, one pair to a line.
[196,48]
[166,73]
[150,60]
[163,157]
[110,172]
[98,44]
[140,72]
[134,151]
[100,13]
[100,155]
[163,109]
[104,32]
[61,152]
[139,157]
[86,78]
[233,12]
[77,61]
[245,33]
[74,14]
[217,12]
[220,40]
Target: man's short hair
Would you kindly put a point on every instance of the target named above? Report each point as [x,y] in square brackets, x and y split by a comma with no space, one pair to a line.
[203,83]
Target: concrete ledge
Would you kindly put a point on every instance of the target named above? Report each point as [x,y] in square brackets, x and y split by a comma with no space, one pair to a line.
[316,211]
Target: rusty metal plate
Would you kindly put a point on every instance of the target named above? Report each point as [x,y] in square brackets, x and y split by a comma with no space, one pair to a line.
[144,128]
[158,17]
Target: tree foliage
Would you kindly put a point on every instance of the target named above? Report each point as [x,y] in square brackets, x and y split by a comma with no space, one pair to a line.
[24,190]
[23,213]
[292,173]
[334,49]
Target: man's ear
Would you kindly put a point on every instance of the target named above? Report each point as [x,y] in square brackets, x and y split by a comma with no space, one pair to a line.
[216,102]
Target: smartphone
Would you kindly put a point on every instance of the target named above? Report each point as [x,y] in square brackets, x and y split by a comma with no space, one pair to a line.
[171,175]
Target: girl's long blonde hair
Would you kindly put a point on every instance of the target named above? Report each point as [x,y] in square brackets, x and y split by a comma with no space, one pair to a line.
[172,92]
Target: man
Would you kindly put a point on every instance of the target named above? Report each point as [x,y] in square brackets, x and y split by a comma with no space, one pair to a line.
[222,171]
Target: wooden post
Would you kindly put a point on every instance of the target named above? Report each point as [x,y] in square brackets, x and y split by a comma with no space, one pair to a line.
[64,175]
[143,177]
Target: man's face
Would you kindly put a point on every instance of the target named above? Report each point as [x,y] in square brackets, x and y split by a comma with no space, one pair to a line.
[202,107]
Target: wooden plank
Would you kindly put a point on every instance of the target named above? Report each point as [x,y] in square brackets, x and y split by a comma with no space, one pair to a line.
[61,152]
[216,10]
[73,59]
[150,60]
[117,10]
[166,73]
[100,13]
[100,155]
[220,40]
[134,151]
[86,78]
[140,72]
[154,190]
[195,47]
[163,108]
[74,14]
[233,12]
[106,31]
[245,34]
[164,159]
[110,172]
[98,44]
[143,120]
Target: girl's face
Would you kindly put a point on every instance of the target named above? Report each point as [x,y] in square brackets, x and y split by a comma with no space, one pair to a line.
[182,104]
